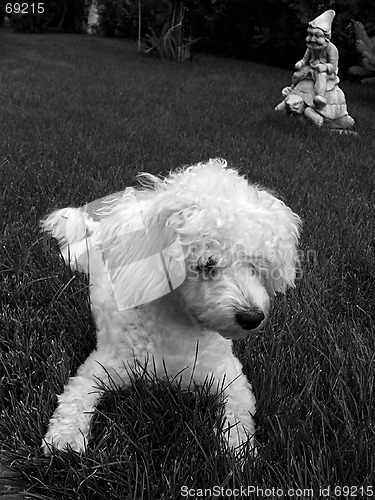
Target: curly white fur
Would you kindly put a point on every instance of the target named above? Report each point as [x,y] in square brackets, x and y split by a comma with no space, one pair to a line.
[178,269]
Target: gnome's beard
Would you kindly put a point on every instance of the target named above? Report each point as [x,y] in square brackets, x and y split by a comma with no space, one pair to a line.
[317,47]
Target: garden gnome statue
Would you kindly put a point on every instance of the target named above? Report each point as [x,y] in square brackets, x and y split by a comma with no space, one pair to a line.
[320,59]
[314,92]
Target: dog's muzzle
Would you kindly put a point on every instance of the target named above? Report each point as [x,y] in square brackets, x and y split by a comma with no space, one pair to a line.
[249,320]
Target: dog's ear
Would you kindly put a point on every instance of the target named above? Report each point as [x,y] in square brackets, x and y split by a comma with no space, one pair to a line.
[142,254]
[69,226]
[284,263]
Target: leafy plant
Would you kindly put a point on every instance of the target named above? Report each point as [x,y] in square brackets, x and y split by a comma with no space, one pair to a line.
[366,47]
[168,45]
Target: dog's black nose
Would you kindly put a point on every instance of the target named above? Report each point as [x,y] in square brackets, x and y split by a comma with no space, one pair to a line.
[249,320]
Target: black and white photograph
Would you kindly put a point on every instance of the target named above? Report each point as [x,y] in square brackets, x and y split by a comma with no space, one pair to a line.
[187,249]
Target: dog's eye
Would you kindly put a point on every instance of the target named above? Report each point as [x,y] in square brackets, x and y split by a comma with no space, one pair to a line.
[210,263]
[209,269]
[252,269]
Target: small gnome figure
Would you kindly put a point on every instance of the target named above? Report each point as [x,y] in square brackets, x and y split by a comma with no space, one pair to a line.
[321,58]
[315,95]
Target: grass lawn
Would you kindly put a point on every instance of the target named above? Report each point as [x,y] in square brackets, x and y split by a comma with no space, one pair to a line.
[80,117]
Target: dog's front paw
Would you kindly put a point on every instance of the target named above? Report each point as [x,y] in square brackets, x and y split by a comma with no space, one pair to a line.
[246,450]
[240,440]
[64,439]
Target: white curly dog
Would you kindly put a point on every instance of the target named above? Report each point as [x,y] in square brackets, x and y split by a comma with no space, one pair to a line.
[177,269]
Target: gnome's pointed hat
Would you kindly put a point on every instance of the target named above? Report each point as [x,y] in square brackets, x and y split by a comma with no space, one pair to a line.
[324,21]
